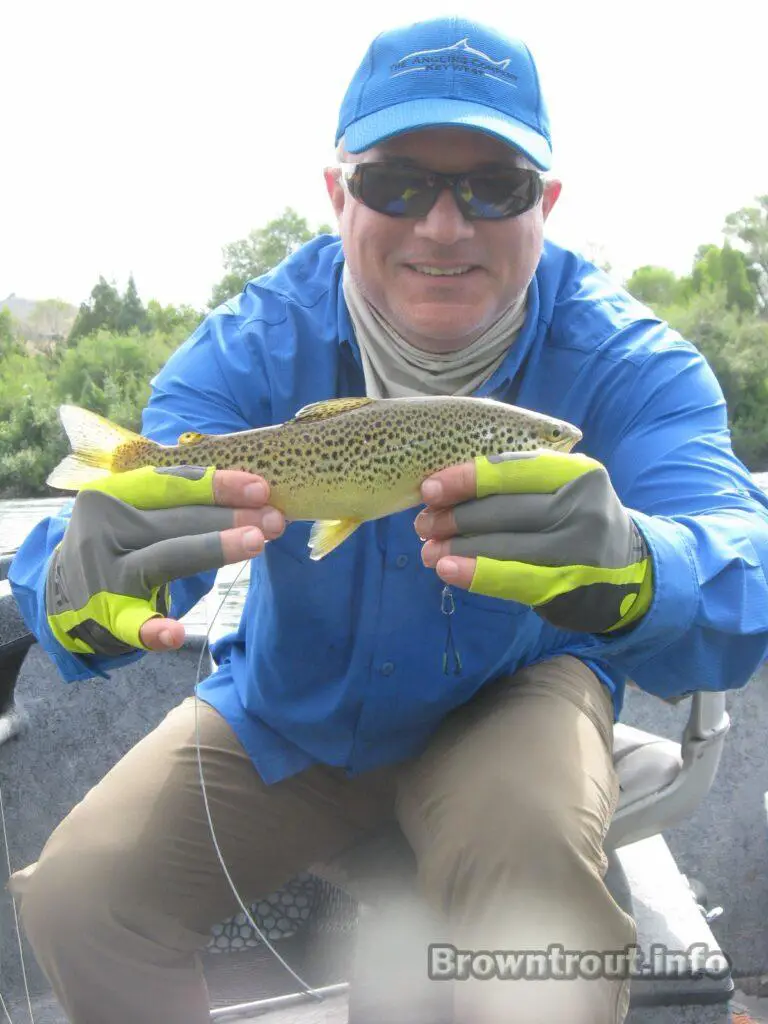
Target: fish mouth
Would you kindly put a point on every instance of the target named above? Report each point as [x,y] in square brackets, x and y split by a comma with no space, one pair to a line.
[567,443]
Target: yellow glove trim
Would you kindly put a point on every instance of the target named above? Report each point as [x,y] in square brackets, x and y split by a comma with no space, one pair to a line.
[121,615]
[538,584]
[634,606]
[146,488]
[543,473]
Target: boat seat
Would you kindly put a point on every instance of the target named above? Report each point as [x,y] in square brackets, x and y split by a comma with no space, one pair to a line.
[644,760]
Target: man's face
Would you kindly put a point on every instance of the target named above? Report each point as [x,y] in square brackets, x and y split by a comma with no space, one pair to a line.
[388,256]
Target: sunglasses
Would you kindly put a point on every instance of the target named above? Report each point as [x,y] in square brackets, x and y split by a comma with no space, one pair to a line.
[402,191]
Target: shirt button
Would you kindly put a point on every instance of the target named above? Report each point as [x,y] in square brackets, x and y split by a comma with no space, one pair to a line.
[401,561]
[387,668]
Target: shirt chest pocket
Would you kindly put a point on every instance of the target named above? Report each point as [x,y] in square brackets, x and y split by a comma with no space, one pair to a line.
[488,631]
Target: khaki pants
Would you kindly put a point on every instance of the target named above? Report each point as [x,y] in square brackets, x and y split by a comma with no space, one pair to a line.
[506,812]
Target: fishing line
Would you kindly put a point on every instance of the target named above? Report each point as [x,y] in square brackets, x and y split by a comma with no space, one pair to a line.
[5,1009]
[16,919]
[307,989]
[447,608]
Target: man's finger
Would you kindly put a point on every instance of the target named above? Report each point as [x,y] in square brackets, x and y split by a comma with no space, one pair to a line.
[450,486]
[225,548]
[459,572]
[510,513]
[530,548]
[243,543]
[179,557]
[436,554]
[188,520]
[519,514]
[237,489]
[433,551]
[153,632]
[435,524]
[268,519]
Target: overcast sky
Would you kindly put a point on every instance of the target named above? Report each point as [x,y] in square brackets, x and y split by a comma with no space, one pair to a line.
[142,137]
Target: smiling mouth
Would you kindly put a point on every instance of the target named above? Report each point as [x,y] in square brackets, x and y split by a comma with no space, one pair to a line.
[431,271]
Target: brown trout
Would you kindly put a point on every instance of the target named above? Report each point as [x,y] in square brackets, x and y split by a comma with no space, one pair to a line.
[337,463]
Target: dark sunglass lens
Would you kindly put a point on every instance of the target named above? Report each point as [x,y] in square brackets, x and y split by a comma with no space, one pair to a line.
[502,194]
[395,191]
[405,192]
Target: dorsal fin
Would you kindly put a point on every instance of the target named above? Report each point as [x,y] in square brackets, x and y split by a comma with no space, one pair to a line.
[330,407]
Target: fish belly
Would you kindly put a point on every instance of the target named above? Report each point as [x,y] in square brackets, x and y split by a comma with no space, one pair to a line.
[344,502]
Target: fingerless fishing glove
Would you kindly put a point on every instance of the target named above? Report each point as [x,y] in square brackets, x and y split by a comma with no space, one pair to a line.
[129,535]
[549,531]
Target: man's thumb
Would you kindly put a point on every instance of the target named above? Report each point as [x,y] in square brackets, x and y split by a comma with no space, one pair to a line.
[162,634]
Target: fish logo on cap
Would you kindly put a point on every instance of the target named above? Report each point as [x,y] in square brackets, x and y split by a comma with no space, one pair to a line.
[458,57]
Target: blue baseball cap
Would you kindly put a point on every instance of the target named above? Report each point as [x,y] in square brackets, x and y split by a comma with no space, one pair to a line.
[447,72]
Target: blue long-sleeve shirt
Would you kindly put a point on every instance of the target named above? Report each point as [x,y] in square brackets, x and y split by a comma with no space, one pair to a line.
[341,661]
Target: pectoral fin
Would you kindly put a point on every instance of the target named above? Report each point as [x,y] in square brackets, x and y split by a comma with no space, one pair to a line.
[327,534]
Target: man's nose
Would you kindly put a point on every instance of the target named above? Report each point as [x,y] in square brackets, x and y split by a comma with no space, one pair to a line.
[445,223]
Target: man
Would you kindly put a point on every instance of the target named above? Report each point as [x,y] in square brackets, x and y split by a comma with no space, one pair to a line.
[331,711]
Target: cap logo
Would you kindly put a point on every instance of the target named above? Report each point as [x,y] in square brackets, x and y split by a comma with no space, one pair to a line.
[459,57]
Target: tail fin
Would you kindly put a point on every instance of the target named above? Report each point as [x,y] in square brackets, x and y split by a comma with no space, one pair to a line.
[93,440]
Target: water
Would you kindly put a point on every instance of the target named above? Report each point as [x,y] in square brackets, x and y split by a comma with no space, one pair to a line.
[17,518]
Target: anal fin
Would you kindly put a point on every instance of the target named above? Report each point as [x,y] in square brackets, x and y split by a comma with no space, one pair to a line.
[327,534]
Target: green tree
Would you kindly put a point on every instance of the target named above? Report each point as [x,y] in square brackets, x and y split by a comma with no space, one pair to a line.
[750,226]
[261,251]
[735,345]
[726,268]
[50,322]
[9,342]
[110,373]
[172,320]
[102,310]
[31,441]
[655,286]
[131,313]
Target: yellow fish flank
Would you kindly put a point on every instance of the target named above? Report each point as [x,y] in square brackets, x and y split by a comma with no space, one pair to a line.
[337,463]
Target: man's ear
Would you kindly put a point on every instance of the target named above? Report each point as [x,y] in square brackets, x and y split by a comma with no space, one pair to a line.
[552,189]
[335,189]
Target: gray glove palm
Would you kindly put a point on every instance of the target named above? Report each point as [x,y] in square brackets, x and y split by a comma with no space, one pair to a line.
[130,535]
[548,530]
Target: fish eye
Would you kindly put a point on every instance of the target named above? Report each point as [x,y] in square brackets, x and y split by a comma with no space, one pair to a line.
[555,433]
